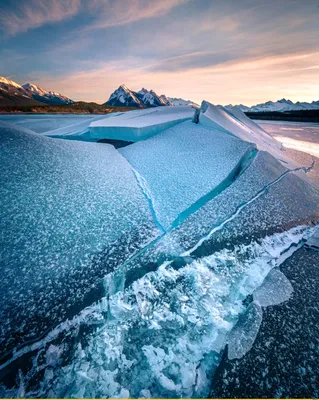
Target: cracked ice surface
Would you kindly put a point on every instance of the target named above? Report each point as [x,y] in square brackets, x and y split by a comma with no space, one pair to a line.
[66,206]
[263,170]
[163,335]
[138,125]
[74,212]
[184,163]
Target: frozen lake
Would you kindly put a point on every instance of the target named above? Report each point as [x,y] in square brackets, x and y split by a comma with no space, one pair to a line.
[303,136]
[139,271]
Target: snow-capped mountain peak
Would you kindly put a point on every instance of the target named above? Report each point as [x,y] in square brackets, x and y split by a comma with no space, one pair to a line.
[123,96]
[284,101]
[35,89]
[45,96]
[166,100]
[150,98]
[29,93]
[9,82]
[143,91]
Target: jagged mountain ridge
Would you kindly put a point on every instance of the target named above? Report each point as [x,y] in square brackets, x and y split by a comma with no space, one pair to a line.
[46,96]
[123,96]
[280,105]
[13,94]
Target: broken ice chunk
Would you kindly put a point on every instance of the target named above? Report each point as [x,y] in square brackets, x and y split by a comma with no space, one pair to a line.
[242,337]
[275,289]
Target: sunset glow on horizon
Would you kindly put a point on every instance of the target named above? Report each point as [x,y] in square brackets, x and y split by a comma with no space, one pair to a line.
[222,51]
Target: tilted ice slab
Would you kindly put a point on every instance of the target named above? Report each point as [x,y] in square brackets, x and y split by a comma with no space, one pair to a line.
[133,126]
[163,335]
[70,212]
[182,164]
[235,122]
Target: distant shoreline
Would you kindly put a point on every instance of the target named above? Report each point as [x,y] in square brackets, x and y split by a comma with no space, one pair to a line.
[297,116]
[79,107]
[94,108]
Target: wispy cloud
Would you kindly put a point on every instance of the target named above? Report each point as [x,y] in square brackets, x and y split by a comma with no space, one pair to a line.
[121,12]
[35,13]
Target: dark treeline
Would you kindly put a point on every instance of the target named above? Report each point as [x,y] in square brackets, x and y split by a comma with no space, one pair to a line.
[79,107]
[302,115]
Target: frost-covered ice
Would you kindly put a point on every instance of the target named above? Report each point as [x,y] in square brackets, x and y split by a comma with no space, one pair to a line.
[283,362]
[133,126]
[70,212]
[163,335]
[184,163]
[166,241]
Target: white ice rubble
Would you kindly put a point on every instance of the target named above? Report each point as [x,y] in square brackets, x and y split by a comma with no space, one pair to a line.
[163,335]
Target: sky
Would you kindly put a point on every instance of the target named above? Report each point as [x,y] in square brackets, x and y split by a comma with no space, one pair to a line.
[223,51]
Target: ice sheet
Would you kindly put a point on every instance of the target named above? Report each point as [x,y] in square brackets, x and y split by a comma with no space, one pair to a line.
[287,202]
[225,219]
[70,213]
[184,163]
[283,362]
[57,125]
[163,335]
[74,212]
[139,125]
[263,170]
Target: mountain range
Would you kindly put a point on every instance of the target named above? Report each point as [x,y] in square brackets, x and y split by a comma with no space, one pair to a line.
[13,94]
[279,105]
[123,96]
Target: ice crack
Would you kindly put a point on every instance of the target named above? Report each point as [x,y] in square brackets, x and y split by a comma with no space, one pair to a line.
[242,207]
[148,195]
[239,169]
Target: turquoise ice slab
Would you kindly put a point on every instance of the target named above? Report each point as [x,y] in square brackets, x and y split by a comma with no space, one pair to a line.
[137,125]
